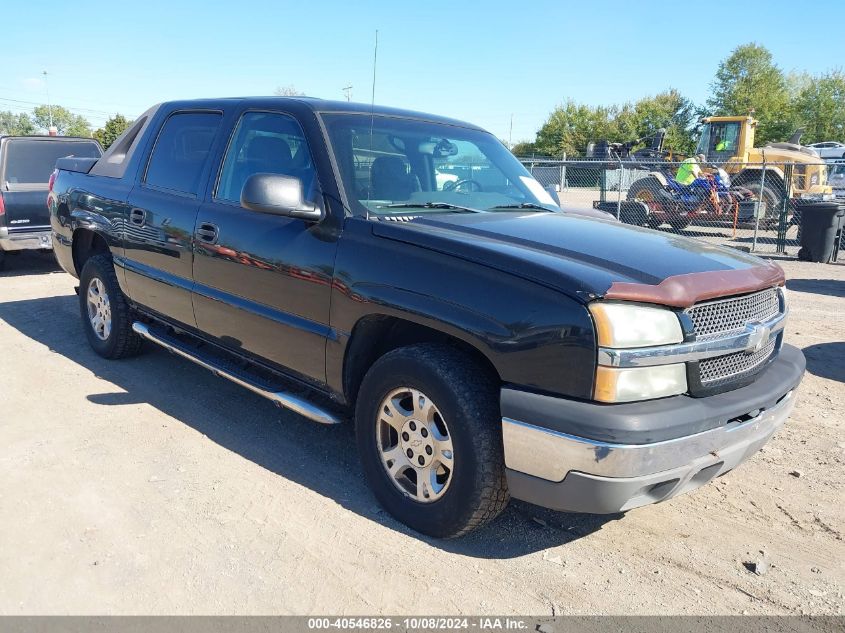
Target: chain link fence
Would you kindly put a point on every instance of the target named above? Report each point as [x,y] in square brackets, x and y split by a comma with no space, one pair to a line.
[747,206]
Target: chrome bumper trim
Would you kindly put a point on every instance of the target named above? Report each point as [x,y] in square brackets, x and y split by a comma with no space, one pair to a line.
[29,240]
[552,455]
[753,337]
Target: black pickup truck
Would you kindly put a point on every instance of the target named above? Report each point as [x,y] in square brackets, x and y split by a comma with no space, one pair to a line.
[25,166]
[487,344]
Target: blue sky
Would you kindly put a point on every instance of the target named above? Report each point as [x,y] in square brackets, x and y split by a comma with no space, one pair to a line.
[478,61]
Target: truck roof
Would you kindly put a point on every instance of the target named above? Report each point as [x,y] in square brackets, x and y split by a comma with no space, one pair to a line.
[319,106]
[45,137]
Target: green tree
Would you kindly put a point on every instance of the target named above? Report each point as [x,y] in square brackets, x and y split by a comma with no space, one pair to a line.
[667,110]
[15,124]
[524,148]
[66,122]
[572,126]
[113,128]
[748,80]
[820,108]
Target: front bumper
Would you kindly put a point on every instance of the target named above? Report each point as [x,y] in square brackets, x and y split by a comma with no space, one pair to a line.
[31,239]
[632,458]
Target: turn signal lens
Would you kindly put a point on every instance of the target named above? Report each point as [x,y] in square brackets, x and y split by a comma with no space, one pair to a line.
[640,383]
[622,325]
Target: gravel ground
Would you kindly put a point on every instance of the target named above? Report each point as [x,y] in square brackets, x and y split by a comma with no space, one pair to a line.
[149,486]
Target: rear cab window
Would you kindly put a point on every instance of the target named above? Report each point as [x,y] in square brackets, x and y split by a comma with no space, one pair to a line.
[31,161]
[181,152]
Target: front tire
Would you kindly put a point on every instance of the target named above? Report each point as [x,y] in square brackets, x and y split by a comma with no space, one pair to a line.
[428,429]
[106,316]
[773,202]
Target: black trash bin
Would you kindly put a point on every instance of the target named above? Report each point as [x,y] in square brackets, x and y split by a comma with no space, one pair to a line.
[821,230]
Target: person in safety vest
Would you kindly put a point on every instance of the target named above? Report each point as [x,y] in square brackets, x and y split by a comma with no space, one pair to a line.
[689,170]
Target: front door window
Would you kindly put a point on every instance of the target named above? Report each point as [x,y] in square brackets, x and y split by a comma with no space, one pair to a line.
[265,143]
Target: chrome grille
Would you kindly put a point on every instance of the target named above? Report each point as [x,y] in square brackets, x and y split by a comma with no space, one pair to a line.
[725,369]
[727,315]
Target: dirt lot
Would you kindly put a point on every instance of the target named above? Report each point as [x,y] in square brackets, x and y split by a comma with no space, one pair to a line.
[149,486]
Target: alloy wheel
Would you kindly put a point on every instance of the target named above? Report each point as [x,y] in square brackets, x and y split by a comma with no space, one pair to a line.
[414,444]
[99,308]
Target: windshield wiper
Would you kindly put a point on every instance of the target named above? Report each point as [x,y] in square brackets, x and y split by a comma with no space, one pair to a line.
[523,205]
[428,205]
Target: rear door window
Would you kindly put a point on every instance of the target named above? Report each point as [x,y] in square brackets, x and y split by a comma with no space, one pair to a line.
[30,161]
[181,151]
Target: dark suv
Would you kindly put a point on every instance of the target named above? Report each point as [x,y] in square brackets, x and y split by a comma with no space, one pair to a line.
[25,166]
[405,270]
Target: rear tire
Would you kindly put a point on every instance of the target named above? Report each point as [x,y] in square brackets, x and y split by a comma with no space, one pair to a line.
[428,429]
[106,316]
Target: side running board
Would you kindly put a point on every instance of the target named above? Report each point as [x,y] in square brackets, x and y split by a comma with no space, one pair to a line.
[281,398]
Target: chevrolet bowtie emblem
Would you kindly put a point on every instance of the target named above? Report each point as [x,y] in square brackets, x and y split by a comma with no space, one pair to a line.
[758,337]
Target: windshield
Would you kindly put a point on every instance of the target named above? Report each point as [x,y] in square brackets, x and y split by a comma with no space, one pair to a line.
[719,141]
[32,161]
[389,165]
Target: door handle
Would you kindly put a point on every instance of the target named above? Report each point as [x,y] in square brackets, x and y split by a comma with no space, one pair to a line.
[138,217]
[207,232]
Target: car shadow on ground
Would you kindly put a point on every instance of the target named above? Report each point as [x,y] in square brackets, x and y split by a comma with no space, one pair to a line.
[831,287]
[322,458]
[825,360]
[18,263]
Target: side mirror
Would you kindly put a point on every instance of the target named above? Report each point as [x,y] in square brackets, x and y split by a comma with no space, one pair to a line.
[278,195]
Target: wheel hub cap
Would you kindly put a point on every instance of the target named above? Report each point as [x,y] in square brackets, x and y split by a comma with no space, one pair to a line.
[415,445]
[99,308]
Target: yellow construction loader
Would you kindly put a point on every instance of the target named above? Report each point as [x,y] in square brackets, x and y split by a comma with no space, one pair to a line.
[730,140]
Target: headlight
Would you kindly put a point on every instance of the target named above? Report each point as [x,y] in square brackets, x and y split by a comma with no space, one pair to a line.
[622,326]
[640,383]
[626,326]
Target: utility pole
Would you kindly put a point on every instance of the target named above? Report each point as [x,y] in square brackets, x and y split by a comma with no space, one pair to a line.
[347,90]
[49,107]
[510,134]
